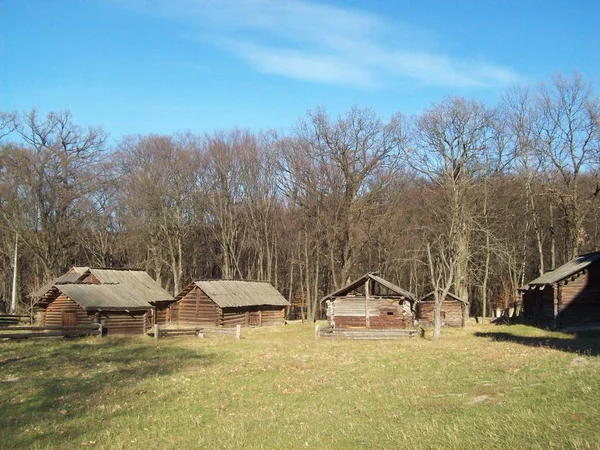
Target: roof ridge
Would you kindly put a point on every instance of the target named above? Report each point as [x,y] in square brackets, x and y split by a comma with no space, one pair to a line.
[231,279]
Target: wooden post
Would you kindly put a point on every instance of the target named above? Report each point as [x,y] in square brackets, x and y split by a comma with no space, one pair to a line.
[317,331]
[156,331]
[238,331]
[13,298]
[145,323]
[367,304]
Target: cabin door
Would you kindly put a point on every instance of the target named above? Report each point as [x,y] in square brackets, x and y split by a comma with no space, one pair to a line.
[254,318]
[69,318]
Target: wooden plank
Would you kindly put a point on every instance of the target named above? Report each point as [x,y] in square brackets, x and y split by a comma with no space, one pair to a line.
[46,334]
[367,305]
[348,333]
[34,328]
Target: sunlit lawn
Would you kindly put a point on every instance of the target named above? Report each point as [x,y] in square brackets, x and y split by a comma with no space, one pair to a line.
[482,387]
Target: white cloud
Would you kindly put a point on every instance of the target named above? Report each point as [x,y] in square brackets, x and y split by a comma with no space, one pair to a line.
[323,43]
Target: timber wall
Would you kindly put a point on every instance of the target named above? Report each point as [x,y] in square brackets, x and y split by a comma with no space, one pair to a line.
[162,315]
[350,312]
[53,314]
[538,306]
[113,322]
[272,315]
[452,315]
[578,300]
[195,308]
[230,317]
[251,316]
[121,322]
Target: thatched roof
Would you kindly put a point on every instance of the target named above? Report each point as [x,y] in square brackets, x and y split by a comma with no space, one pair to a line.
[362,280]
[116,289]
[565,271]
[237,293]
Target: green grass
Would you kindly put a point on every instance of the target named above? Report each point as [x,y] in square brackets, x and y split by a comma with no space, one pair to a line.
[482,387]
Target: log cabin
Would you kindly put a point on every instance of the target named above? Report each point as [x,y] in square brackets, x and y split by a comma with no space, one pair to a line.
[227,303]
[567,297]
[123,301]
[370,302]
[453,308]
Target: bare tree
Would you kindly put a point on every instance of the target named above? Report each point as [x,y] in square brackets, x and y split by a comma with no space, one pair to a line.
[568,134]
[353,157]
[48,174]
[441,275]
[448,145]
[225,194]
[159,176]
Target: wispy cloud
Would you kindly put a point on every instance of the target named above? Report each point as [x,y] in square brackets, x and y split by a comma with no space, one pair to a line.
[323,43]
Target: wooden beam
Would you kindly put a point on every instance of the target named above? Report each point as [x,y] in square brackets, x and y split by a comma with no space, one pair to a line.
[367,304]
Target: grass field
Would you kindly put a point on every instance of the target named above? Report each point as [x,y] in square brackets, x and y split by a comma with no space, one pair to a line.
[481,387]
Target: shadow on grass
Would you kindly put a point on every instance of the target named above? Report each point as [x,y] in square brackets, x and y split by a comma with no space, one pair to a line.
[60,383]
[583,342]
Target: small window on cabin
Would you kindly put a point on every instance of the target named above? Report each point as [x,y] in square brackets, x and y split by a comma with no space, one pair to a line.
[390,313]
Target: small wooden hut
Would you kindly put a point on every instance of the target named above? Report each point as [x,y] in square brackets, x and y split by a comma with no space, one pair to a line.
[227,303]
[122,300]
[568,296]
[370,302]
[452,313]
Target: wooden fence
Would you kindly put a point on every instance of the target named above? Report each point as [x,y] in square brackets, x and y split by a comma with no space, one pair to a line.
[24,332]
[363,333]
[13,319]
[159,331]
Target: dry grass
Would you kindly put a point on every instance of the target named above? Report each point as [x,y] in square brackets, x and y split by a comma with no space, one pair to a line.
[483,387]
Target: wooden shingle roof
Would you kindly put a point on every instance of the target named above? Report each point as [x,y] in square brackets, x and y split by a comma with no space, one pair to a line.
[362,280]
[450,294]
[111,289]
[565,271]
[109,297]
[238,293]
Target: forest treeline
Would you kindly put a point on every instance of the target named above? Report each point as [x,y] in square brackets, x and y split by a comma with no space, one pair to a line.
[480,197]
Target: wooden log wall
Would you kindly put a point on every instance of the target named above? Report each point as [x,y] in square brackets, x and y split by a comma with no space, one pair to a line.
[162,315]
[263,315]
[578,299]
[195,308]
[230,317]
[53,315]
[272,315]
[350,312]
[538,305]
[451,313]
[121,322]
[91,279]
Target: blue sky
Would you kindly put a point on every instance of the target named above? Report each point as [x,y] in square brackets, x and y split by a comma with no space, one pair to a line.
[142,66]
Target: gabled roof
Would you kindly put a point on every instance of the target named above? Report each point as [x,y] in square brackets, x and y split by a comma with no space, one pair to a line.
[143,283]
[238,293]
[109,297]
[73,275]
[450,294]
[567,270]
[116,289]
[362,280]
